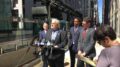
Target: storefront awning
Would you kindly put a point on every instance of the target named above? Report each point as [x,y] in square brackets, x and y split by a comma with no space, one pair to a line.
[39,10]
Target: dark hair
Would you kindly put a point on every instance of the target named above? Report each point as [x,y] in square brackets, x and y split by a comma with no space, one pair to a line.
[87,19]
[77,19]
[104,31]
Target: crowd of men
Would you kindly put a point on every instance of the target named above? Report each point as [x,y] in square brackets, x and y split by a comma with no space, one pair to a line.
[81,43]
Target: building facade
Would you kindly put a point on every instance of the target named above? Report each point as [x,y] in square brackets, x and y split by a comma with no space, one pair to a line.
[114,15]
[28,15]
[111,14]
[89,8]
[106,11]
[5,19]
[61,9]
[5,15]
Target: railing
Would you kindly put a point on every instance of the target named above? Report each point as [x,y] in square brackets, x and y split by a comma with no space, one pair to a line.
[13,45]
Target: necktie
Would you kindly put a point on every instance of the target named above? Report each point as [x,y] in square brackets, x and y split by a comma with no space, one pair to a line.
[84,34]
[75,29]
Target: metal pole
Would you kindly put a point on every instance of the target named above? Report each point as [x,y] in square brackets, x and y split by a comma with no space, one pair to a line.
[16,47]
[49,11]
[1,50]
[20,14]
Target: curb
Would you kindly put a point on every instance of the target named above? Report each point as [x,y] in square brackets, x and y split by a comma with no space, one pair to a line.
[31,64]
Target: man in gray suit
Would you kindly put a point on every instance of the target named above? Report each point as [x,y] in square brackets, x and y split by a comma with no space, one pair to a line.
[58,38]
[86,42]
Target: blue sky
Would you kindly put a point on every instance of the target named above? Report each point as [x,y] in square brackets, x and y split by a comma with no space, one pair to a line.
[100,10]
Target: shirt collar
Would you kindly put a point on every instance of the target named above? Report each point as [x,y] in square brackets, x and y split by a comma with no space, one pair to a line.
[54,30]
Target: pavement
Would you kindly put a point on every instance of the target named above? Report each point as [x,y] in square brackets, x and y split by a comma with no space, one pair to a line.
[67,57]
[17,58]
[67,61]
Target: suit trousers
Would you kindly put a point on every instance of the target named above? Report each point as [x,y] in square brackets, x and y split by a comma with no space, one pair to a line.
[44,58]
[59,62]
[72,57]
[45,61]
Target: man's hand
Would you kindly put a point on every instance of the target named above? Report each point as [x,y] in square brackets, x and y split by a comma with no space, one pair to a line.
[80,54]
[95,60]
[83,54]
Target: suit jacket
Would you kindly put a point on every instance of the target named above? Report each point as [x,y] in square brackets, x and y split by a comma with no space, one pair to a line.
[74,36]
[60,41]
[87,45]
[42,34]
[109,57]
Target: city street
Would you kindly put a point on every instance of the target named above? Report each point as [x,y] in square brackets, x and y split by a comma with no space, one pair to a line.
[67,57]
[22,29]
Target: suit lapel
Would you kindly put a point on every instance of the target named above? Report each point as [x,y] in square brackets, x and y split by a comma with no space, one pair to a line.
[87,34]
[57,36]
[82,35]
[50,34]
[44,33]
[72,29]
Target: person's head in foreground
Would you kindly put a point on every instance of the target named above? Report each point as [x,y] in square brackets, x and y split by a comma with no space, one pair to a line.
[105,36]
[109,57]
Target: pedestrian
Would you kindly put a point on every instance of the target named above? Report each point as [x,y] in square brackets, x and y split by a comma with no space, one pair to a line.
[58,39]
[109,57]
[86,42]
[42,36]
[73,39]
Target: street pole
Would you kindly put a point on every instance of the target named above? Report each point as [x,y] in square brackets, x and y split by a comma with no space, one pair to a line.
[20,14]
[49,11]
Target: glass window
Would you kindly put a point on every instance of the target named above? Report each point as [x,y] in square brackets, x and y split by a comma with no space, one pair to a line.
[5,15]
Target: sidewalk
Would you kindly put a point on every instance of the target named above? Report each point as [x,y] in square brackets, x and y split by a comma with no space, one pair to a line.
[67,56]
[67,61]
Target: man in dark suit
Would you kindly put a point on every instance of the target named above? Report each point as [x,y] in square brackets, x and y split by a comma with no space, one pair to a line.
[58,38]
[42,36]
[73,42]
[86,42]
